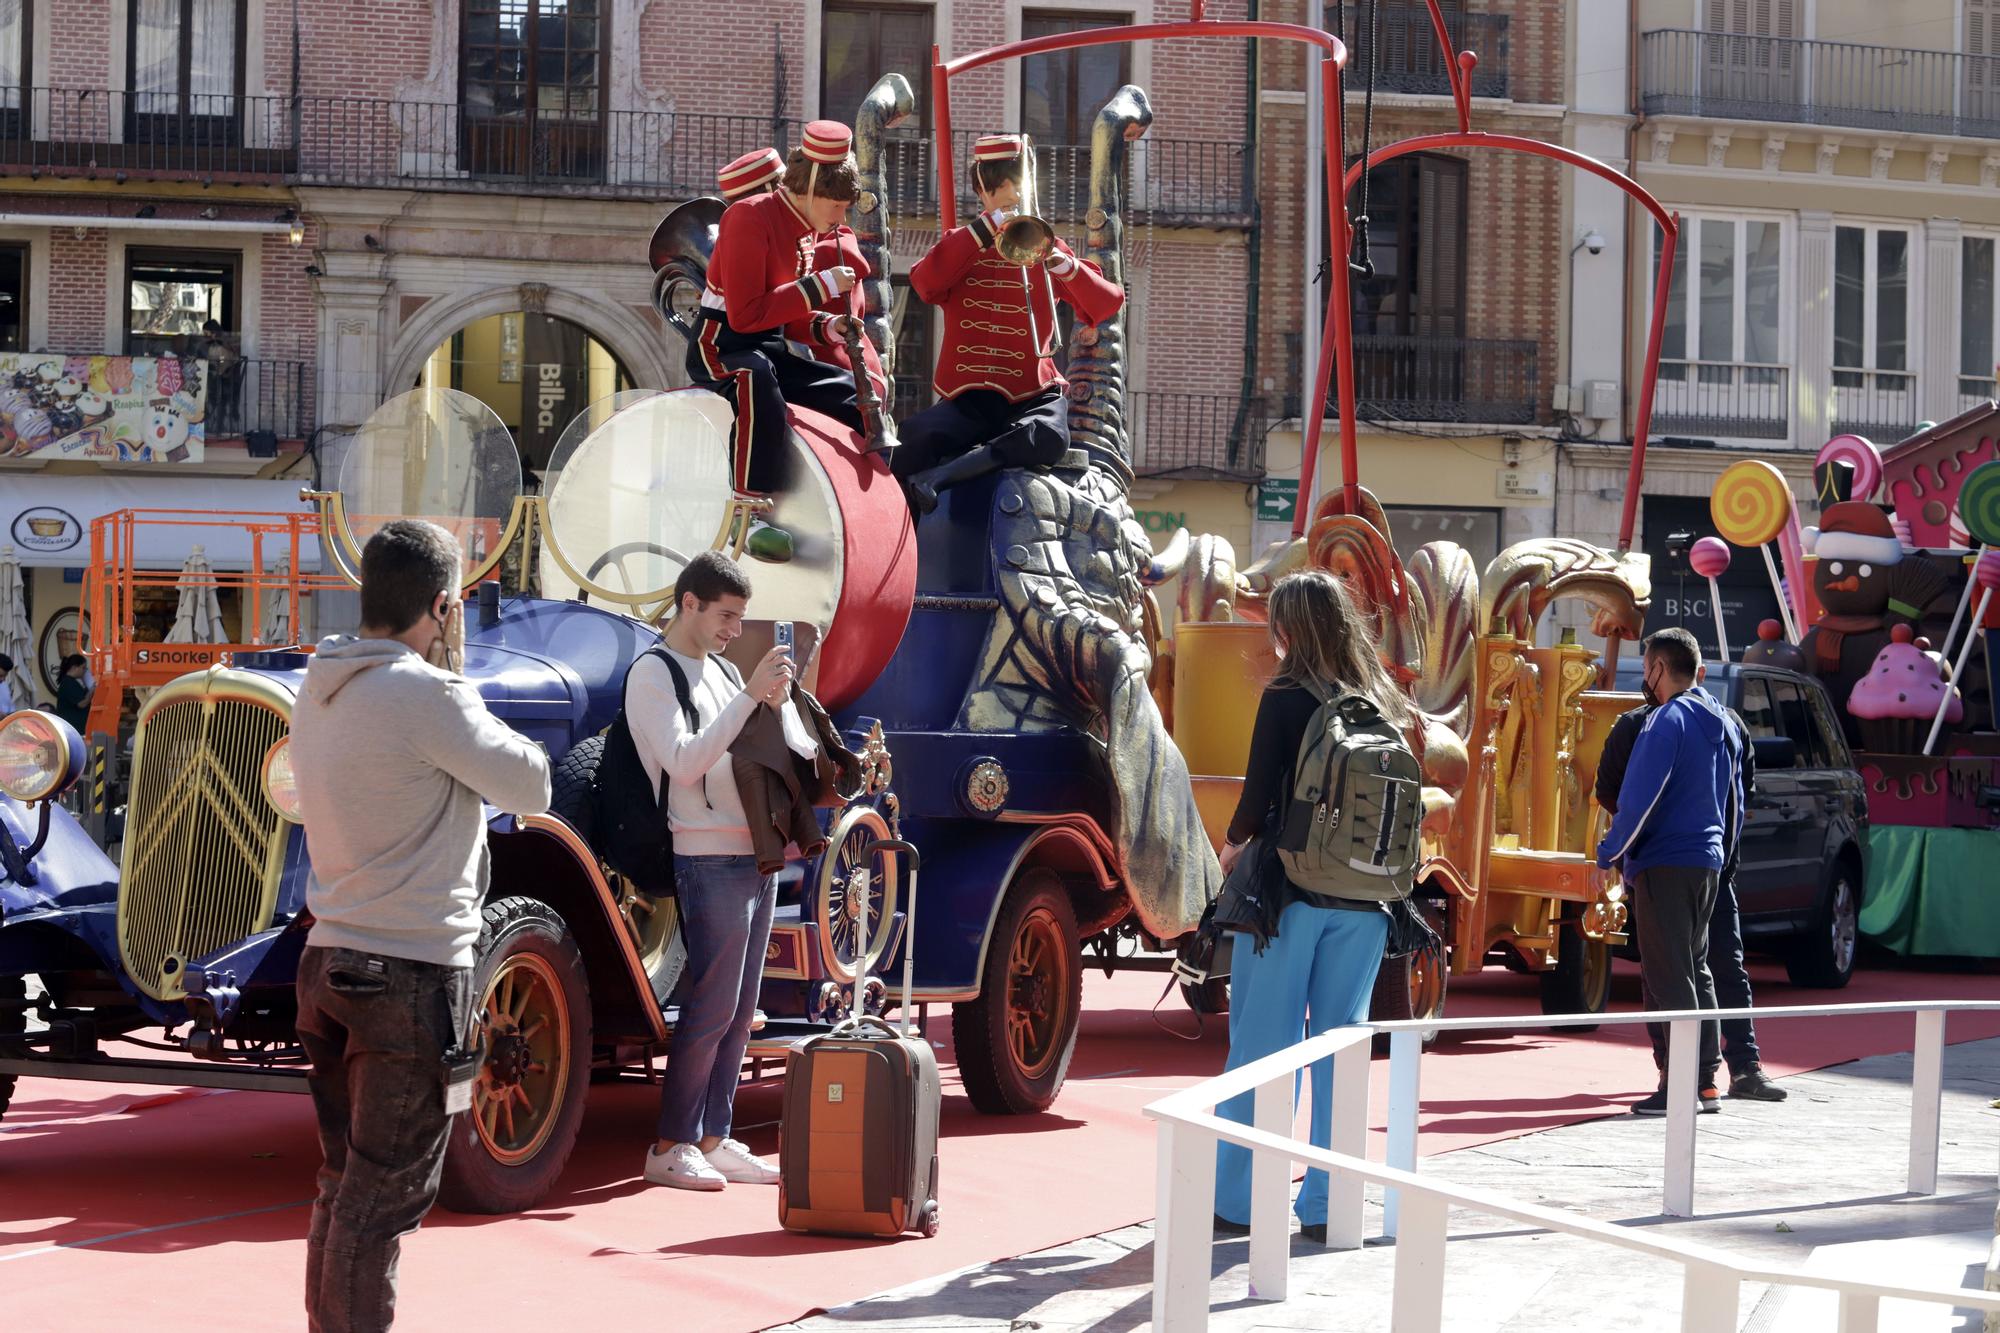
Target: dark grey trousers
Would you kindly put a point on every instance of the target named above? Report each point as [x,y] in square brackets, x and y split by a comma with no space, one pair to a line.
[1674,904]
[376,1029]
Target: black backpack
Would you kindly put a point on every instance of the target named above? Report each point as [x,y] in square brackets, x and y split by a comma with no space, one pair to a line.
[628,826]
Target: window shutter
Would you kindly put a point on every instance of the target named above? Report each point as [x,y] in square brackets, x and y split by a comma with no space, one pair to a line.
[1440,286]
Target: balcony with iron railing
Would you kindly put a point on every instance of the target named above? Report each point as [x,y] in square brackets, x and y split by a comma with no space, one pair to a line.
[1685,73]
[1722,400]
[1417,377]
[1197,435]
[1881,404]
[377,143]
[1411,60]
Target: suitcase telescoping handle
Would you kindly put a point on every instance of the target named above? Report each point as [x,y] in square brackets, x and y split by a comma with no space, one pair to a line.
[887,846]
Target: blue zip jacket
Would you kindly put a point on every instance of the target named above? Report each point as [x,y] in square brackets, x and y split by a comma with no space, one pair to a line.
[1677,805]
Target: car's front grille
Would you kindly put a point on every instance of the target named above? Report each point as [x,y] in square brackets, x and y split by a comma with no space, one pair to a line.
[203,846]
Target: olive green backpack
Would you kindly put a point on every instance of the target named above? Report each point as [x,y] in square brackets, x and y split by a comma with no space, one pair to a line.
[1350,826]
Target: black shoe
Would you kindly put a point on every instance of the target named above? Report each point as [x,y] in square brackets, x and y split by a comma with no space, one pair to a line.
[1753,1086]
[1225,1227]
[1314,1232]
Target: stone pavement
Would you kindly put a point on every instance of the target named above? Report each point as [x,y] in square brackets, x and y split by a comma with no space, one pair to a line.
[1814,1182]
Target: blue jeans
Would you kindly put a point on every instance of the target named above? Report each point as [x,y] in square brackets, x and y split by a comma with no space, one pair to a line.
[1318,973]
[725,908]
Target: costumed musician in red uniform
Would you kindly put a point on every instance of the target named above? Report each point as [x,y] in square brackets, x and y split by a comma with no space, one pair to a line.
[768,333]
[1000,396]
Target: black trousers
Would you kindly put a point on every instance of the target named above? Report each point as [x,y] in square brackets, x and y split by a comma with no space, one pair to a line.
[1674,904]
[1031,433]
[759,380]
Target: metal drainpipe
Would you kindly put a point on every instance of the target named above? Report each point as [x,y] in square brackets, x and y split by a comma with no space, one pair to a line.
[1255,259]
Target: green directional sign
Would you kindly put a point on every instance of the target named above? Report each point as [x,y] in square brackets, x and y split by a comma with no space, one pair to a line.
[1277,499]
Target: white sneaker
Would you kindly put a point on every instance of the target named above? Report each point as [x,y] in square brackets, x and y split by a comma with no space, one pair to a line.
[739,1165]
[684,1168]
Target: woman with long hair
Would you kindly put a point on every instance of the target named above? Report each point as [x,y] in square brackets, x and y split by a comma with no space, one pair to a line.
[1318,970]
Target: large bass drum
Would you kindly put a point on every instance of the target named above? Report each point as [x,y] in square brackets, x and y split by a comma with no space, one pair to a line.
[649,487]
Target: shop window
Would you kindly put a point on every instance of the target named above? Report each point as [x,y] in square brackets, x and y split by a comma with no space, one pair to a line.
[533,75]
[185,70]
[1062,91]
[172,293]
[13,298]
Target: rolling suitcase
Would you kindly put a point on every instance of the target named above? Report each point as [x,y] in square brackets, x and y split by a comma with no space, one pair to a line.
[857,1149]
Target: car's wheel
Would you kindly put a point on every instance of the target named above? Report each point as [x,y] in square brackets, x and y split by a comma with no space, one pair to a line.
[1413,986]
[1015,1041]
[531,1007]
[1580,982]
[1823,957]
[13,1022]
[569,783]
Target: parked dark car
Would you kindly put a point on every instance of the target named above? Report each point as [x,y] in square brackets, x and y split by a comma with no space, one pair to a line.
[1804,865]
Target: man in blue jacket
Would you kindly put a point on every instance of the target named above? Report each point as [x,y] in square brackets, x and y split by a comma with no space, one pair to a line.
[1676,819]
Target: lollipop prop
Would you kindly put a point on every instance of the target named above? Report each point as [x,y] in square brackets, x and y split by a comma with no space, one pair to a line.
[1751,505]
[1979,507]
[1710,559]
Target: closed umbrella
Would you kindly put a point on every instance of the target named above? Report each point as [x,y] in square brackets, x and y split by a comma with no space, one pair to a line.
[198,613]
[15,640]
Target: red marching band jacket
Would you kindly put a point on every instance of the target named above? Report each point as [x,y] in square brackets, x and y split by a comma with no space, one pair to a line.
[769,273]
[987,341]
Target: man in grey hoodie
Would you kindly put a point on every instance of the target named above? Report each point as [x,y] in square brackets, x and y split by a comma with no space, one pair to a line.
[395,753]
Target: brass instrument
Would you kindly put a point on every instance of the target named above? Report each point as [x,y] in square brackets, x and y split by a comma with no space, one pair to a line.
[1028,240]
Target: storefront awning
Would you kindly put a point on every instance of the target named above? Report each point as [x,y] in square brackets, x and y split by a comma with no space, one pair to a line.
[47,519]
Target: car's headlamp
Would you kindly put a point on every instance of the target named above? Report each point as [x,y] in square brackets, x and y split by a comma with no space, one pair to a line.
[281,785]
[41,756]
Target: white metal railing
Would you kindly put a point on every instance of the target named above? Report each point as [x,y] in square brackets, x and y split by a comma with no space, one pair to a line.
[1416,1210]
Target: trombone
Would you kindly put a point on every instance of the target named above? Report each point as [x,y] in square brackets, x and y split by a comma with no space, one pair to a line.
[1028,240]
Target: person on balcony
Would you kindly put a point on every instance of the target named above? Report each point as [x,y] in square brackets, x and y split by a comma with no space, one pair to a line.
[1000,396]
[765,340]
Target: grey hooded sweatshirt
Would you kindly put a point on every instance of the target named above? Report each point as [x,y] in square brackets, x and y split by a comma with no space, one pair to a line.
[393,757]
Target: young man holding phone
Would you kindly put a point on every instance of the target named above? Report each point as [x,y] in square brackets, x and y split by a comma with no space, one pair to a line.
[725,902]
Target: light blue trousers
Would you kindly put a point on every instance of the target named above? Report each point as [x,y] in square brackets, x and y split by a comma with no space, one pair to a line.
[1317,973]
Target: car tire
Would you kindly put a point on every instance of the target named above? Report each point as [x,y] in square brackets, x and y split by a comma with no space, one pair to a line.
[1580,982]
[13,1022]
[569,783]
[1823,958]
[526,958]
[1015,1041]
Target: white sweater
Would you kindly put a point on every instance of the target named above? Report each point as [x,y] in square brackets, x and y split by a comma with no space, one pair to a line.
[704,808]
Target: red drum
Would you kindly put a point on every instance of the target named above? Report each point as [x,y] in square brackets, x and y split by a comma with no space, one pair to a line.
[854,569]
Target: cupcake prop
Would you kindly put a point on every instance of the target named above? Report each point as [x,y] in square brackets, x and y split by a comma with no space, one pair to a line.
[1710,559]
[1900,695]
[1987,575]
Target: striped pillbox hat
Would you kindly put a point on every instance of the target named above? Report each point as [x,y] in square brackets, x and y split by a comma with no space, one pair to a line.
[996,148]
[827,141]
[752,171]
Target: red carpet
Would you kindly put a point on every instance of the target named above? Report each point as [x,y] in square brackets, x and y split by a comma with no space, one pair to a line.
[120,1203]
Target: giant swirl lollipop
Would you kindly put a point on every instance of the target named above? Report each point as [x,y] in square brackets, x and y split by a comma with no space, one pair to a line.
[1710,558]
[1751,505]
[1979,506]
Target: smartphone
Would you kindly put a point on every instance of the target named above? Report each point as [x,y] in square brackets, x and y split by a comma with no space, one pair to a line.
[782,634]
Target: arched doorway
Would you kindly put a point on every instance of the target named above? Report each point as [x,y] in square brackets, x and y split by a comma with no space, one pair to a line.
[536,371]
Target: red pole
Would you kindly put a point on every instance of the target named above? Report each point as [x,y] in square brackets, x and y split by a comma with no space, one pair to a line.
[1337,338]
[1635,474]
[941,116]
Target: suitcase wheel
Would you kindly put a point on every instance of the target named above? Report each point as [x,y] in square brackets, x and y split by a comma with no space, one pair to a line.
[927,1221]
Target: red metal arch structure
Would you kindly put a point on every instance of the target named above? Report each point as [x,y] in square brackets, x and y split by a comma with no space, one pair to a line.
[1337,339]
